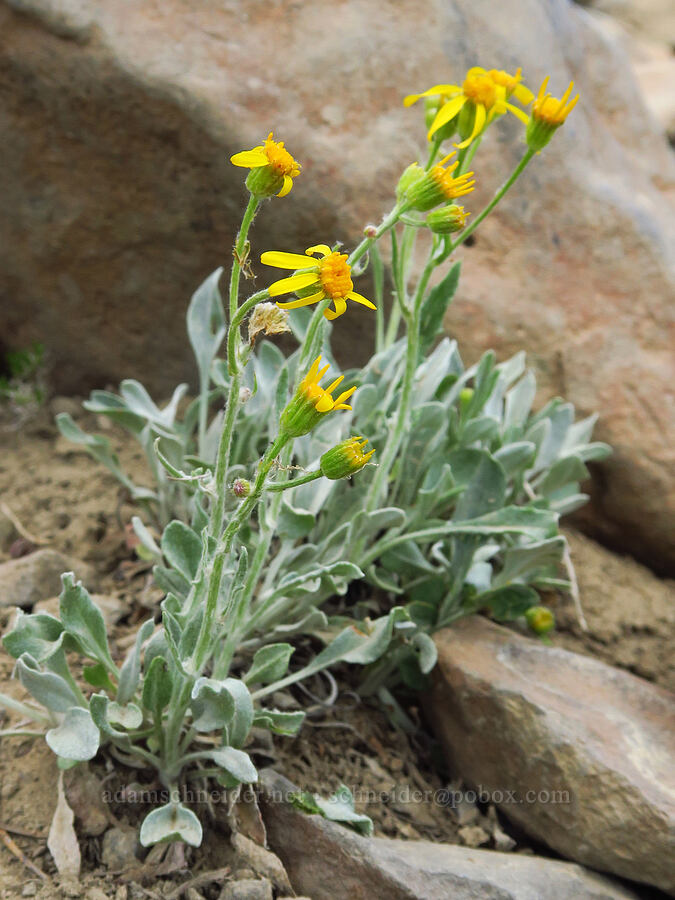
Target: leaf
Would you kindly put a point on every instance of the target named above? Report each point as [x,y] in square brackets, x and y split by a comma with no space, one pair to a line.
[236,762]
[515,457]
[434,307]
[286,723]
[128,717]
[239,727]
[355,646]
[76,738]
[147,541]
[508,602]
[485,482]
[519,400]
[340,808]
[130,672]
[182,549]
[523,562]
[269,664]
[294,523]
[213,706]
[425,650]
[47,688]
[171,581]
[83,620]
[568,470]
[62,841]
[157,685]
[205,321]
[172,822]
[33,634]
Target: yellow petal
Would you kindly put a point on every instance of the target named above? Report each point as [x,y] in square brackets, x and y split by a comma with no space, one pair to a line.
[359,298]
[286,187]
[523,94]
[331,387]
[448,111]
[518,113]
[294,283]
[324,404]
[436,90]
[340,309]
[479,121]
[250,159]
[345,395]
[304,301]
[286,260]
[323,249]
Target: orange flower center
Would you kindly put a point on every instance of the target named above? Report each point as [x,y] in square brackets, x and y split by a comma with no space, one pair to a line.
[480,89]
[280,159]
[335,275]
[503,79]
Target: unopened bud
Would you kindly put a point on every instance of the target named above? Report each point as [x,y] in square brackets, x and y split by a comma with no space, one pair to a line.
[370,231]
[465,397]
[245,394]
[540,619]
[448,219]
[345,459]
[241,488]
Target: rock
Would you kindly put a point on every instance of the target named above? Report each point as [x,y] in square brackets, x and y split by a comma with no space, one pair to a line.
[29,579]
[150,104]
[262,861]
[247,889]
[119,849]
[85,798]
[575,752]
[630,613]
[329,862]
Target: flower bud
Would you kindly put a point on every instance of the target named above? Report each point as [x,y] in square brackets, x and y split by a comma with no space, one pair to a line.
[448,219]
[345,459]
[410,176]
[548,114]
[540,619]
[436,186]
[465,396]
[370,231]
[241,488]
[311,402]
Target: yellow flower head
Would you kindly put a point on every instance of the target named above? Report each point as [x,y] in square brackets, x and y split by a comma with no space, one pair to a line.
[329,276]
[311,402]
[548,114]
[481,96]
[345,459]
[272,168]
[437,186]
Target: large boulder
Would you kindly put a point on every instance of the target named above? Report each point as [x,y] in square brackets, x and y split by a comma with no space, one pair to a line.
[118,196]
[575,752]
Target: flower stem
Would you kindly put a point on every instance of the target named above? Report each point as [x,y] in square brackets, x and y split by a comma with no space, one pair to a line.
[233,331]
[302,479]
[239,248]
[495,200]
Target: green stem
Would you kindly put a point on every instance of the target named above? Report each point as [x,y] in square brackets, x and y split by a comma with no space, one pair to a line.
[233,331]
[301,479]
[207,630]
[468,157]
[433,152]
[239,248]
[223,459]
[495,200]
[388,222]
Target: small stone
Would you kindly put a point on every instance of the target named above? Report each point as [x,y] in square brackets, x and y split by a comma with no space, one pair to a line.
[249,889]
[85,798]
[119,849]
[262,861]
[473,836]
[26,581]
[193,894]
[29,889]
[122,893]
[95,893]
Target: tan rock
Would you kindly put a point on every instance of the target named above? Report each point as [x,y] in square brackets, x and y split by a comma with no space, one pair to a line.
[118,196]
[575,752]
[329,862]
[29,579]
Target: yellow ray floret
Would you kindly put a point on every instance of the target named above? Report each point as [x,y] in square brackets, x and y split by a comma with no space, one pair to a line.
[311,402]
[315,279]
[273,156]
[345,459]
[486,93]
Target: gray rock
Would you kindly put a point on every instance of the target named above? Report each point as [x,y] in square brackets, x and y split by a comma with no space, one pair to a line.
[150,103]
[329,862]
[247,889]
[29,579]
[577,753]
[119,849]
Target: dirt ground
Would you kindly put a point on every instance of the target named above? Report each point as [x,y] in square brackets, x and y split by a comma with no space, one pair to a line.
[53,495]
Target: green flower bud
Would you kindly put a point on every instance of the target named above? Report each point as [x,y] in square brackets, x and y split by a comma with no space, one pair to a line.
[345,459]
[447,220]
[540,619]
[311,402]
[241,488]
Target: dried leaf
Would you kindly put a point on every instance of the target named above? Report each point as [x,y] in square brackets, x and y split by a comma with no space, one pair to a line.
[62,840]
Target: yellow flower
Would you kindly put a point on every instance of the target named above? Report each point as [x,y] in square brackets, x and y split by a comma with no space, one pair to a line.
[437,186]
[311,402]
[329,276]
[483,95]
[548,114]
[345,459]
[272,168]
